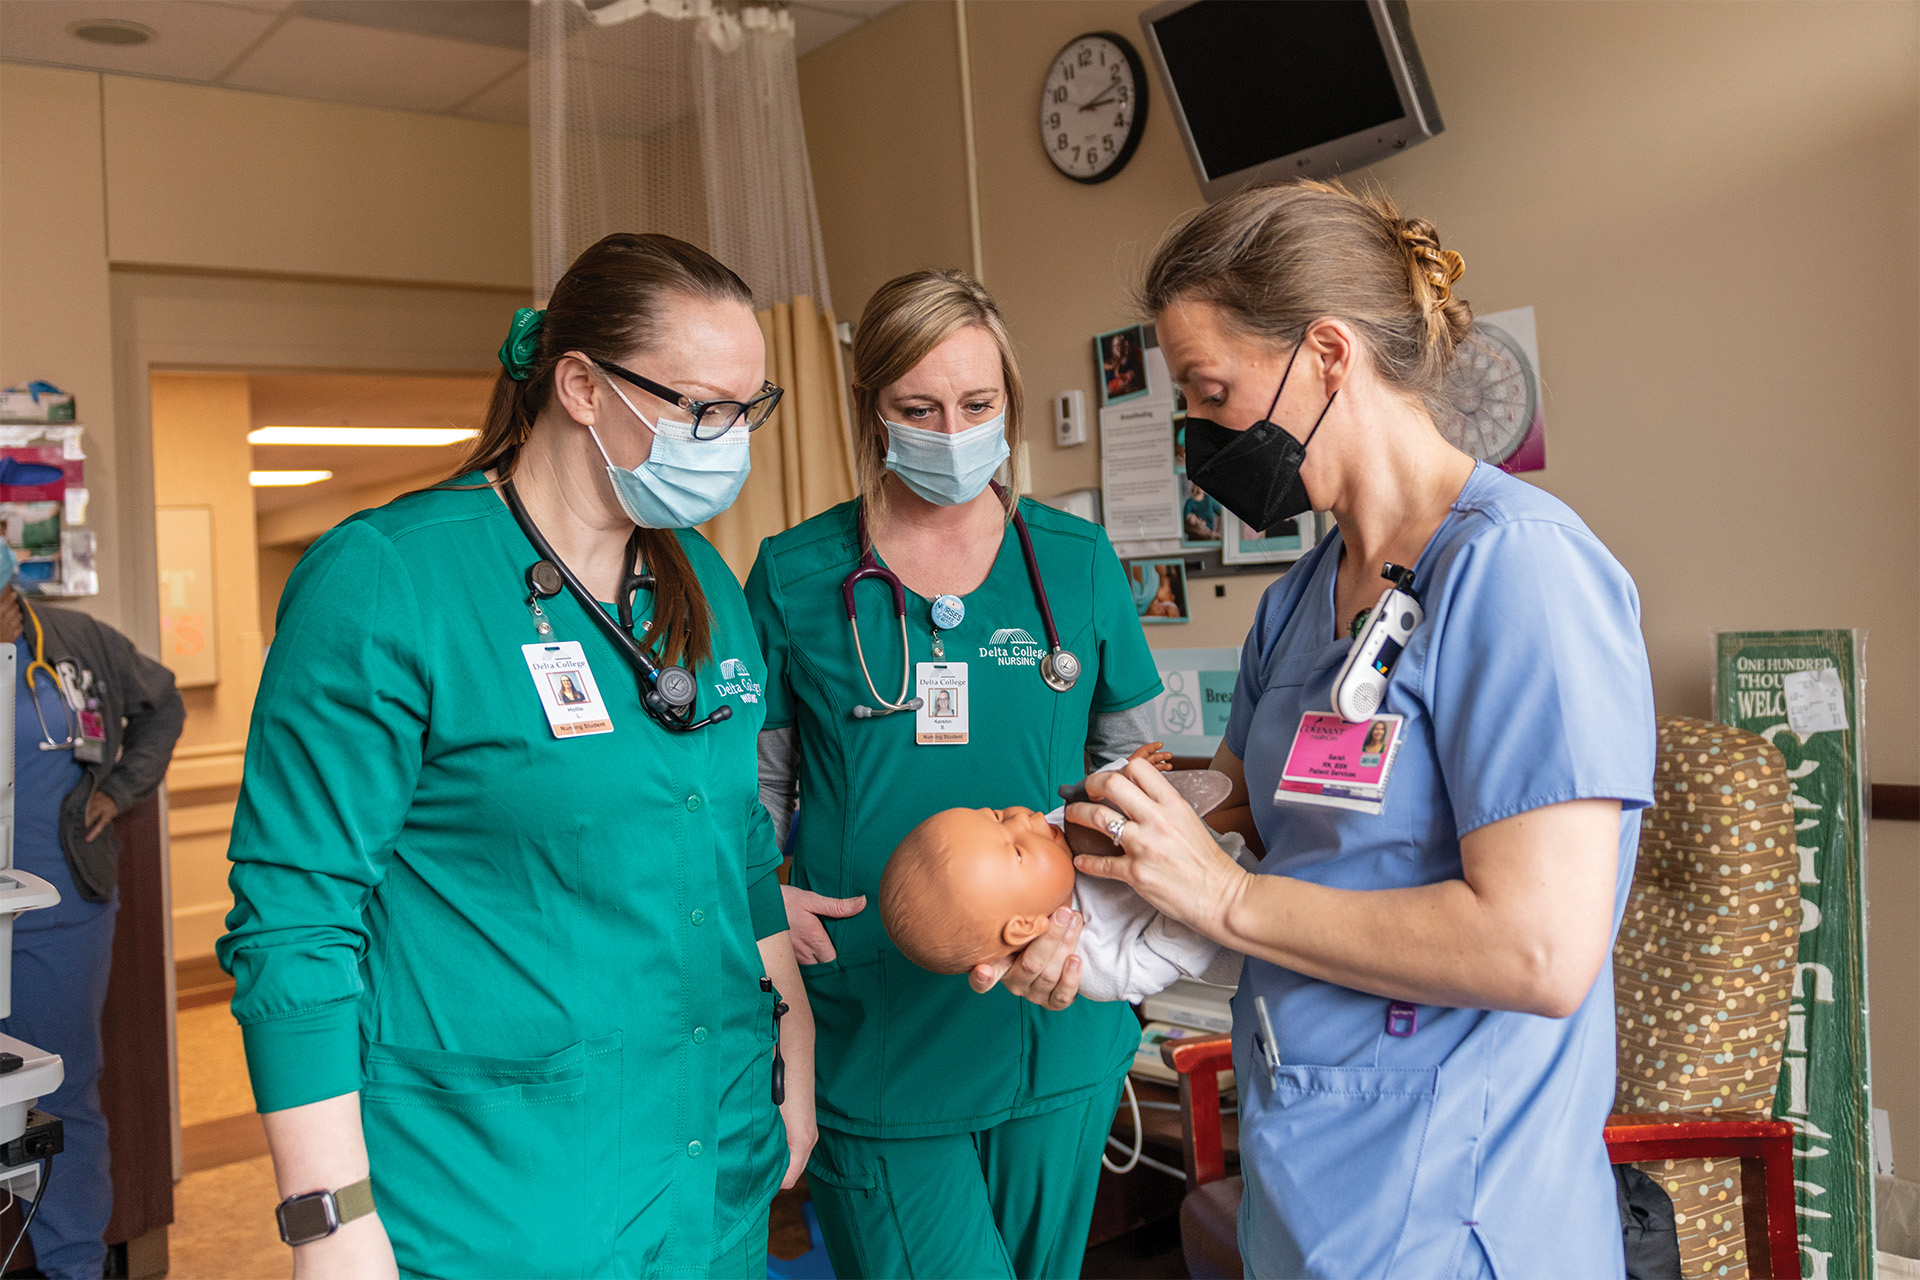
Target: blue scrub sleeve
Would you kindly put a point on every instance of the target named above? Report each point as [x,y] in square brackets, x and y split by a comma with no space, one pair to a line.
[332,758]
[770,626]
[1536,675]
[1128,675]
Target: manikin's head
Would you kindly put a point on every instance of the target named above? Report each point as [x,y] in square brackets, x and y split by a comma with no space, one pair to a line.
[972,885]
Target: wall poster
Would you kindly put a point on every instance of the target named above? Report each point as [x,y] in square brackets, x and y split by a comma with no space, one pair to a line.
[1803,692]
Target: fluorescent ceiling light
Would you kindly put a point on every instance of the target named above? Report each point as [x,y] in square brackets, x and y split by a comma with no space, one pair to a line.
[276,479]
[415,436]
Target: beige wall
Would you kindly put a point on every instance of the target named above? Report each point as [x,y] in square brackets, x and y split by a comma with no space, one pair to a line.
[1711,207]
[216,178]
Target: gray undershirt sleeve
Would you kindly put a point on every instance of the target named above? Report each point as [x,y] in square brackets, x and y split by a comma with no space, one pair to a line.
[1110,734]
[779,778]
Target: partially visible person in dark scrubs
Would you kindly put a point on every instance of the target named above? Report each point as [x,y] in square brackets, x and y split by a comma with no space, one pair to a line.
[94,723]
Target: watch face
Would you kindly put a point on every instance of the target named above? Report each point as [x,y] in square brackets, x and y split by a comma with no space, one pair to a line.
[1093,107]
[304,1219]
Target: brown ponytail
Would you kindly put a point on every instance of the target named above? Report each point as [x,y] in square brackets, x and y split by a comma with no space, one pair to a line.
[608,306]
[1276,258]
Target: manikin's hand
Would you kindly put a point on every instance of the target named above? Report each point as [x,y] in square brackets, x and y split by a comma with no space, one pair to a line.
[1046,971]
[811,945]
[1155,754]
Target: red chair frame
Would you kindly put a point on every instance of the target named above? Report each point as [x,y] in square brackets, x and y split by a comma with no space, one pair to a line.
[1765,1150]
[1763,1147]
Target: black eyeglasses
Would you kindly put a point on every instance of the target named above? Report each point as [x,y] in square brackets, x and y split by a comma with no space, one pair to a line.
[711,418]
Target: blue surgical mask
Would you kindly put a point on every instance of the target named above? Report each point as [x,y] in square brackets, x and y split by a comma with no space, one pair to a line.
[947,470]
[9,563]
[684,482]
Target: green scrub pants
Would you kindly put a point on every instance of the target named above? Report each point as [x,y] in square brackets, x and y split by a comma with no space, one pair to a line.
[747,1260]
[1010,1201]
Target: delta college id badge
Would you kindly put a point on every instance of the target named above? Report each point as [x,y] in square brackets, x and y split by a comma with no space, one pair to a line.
[941,720]
[567,690]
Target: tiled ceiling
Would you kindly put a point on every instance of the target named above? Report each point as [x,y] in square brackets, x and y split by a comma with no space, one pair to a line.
[458,57]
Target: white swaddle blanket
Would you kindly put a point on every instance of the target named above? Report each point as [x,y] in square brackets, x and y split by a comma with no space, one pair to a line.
[1128,950]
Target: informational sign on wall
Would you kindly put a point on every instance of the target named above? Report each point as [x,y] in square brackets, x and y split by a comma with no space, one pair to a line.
[1802,691]
[184,546]
[1190,715]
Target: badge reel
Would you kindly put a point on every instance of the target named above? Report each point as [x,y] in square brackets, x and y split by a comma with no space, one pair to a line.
[1361,684]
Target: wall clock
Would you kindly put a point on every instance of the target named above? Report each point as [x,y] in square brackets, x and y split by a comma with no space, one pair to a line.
[1093,106]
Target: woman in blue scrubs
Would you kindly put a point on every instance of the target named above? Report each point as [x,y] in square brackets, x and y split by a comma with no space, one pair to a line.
[1436,974]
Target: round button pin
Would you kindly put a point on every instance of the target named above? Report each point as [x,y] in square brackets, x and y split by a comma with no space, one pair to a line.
[948,612]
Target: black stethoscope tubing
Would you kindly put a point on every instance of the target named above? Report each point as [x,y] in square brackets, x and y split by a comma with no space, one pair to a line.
[1060,668]
[667,692]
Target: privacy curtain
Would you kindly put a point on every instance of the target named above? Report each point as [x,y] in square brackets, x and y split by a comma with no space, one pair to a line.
[683,117]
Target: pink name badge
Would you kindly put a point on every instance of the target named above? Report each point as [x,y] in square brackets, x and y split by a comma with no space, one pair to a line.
[1340,763]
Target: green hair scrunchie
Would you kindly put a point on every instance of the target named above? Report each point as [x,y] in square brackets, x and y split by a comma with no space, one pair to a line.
[522,344]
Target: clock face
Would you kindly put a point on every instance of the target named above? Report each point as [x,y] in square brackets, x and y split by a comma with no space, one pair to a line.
[1093,107]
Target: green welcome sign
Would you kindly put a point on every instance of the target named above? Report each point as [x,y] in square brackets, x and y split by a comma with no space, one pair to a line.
[1801,691]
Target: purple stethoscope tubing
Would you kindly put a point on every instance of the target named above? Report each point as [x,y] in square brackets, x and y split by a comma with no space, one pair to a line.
[1059,668]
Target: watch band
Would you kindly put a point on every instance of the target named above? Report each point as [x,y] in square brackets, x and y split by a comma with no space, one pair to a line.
[355,1201]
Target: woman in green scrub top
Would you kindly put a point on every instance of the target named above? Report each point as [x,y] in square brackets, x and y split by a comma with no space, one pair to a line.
[516,954]
[961,1133]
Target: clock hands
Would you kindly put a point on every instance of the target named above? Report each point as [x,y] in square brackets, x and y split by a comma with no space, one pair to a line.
[1100,101]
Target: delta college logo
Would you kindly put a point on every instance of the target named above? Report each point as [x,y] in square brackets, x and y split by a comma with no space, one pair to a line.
[1013,647]
[736,681]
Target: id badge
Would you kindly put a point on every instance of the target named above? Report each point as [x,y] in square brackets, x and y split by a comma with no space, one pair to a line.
[1340,763]
[567,690]
[90,745]
[941,720]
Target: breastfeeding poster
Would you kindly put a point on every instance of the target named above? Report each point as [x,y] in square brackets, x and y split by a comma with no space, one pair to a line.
[1801,690]
[1190,715]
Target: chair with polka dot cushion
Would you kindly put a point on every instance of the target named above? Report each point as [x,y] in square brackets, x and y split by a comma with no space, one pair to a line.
[1703,974]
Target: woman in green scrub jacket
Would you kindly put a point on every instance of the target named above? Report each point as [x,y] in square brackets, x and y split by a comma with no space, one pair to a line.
[961,1133]
[517,954]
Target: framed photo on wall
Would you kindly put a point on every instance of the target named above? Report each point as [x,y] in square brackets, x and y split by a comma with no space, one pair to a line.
[1120,362]
[1242,545]
[1159,589]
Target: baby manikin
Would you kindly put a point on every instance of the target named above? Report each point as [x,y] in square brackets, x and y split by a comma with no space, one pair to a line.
[971,886]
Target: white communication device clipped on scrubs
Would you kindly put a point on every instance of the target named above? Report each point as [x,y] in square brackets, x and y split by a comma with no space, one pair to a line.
[1361,684]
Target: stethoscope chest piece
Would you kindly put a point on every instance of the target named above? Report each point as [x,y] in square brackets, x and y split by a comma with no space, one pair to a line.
[1060,669]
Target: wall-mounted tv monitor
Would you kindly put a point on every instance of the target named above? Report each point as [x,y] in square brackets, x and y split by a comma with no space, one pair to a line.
[1265,89]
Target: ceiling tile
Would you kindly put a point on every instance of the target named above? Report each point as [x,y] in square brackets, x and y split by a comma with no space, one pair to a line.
[260,6]
[191,41]
[504,102]
[313,58]
[814,27]
[496,22]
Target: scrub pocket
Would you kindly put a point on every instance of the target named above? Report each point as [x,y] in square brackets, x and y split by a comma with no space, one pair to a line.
[487,1166]
[1331,1156]
[947,1051]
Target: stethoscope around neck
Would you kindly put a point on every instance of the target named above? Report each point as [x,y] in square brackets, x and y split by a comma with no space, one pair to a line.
[1059,667]
[667,692]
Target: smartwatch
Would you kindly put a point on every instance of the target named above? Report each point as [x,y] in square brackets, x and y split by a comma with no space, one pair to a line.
[315,1215]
